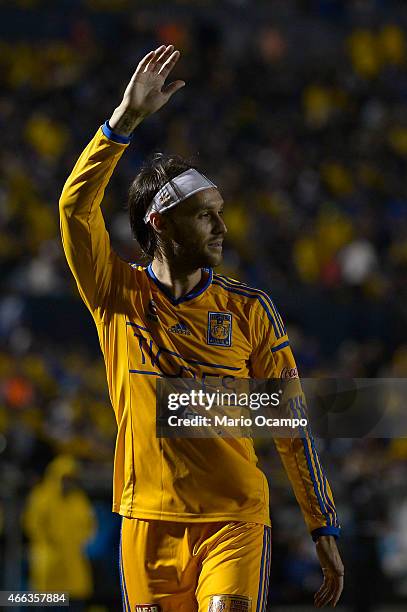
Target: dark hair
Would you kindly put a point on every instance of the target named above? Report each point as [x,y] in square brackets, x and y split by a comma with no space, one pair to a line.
[155,172]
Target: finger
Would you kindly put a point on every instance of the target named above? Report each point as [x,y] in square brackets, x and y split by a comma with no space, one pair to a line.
[161,49]
[169,90]
[143,63]
[323,601]
[325,593]
[319,599]
[339,589]
[320,594]
[162,58]
[169,64]
[335,598]
[330,595]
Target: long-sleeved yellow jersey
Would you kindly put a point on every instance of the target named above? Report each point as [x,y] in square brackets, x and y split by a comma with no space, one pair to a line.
[144,333]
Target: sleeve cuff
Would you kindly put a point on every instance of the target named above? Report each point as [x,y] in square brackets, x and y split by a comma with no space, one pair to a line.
[108,132]
[326,531]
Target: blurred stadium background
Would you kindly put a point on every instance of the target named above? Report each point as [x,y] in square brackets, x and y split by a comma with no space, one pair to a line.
[298,110]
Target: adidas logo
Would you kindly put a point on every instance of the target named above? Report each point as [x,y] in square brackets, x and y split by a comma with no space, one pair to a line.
[180,328]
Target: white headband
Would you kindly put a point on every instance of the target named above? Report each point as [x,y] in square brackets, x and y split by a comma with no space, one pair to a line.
[178,189]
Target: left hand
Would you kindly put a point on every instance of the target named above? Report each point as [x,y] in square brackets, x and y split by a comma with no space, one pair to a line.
[333,571]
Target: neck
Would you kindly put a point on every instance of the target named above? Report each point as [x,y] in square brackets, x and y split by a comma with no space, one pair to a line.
[179,280]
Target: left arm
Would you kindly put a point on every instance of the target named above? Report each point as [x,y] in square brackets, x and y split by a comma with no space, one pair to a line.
[272,358]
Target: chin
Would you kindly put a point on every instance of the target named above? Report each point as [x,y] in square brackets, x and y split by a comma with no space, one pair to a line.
[203,259]
[216,261]
[211,260]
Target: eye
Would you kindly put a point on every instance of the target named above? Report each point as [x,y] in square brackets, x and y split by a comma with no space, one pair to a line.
[204,214]
[221,212]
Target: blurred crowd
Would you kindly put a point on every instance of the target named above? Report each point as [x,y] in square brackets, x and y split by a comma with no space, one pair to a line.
[296,110]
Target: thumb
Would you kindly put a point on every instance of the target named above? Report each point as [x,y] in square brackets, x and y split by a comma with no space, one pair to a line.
[169,90]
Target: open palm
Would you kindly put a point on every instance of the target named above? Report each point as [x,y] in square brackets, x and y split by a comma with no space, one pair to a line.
[147,92]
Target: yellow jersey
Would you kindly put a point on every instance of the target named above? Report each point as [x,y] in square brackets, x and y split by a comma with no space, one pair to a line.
[144,334]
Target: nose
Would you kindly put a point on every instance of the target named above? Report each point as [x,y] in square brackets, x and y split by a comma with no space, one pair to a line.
[220,225]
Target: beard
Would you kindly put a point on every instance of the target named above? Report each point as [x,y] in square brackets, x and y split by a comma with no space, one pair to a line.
[195,257]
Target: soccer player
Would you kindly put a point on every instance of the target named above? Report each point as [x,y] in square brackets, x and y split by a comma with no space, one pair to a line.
[196,530]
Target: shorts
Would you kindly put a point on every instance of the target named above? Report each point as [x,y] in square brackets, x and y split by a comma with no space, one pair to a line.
[194,567]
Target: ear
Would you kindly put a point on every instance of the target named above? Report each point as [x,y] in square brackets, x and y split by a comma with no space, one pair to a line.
[157,222]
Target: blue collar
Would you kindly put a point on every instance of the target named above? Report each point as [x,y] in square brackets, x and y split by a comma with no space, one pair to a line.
[184,298]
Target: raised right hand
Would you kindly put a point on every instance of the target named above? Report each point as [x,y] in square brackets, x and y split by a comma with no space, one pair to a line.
[146,92]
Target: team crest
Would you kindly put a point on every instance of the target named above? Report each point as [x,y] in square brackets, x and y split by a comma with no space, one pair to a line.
[219,328]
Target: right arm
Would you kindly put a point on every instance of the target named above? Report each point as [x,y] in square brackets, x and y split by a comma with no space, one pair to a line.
[85,240]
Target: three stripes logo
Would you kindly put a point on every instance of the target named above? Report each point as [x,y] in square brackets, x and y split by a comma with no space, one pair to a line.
[180,328]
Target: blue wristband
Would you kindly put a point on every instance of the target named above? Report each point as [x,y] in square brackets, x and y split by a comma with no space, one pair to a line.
[326,531]
[108,132]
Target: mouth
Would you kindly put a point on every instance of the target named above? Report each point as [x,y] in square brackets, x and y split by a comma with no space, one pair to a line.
[216,244]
